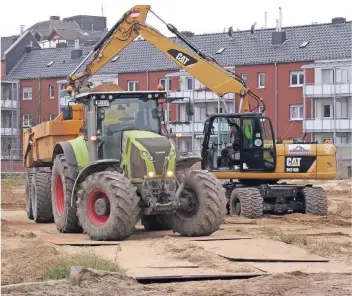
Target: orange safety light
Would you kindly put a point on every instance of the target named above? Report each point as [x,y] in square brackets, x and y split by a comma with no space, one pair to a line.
[160,87]
[69,89]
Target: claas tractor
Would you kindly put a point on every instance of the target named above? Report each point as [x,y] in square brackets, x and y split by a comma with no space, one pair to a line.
[241,150]
[110,163]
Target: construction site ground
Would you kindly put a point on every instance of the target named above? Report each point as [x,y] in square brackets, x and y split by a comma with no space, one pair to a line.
[293,254]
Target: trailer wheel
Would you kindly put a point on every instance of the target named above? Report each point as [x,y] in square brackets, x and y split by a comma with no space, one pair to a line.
[108,206]
[28,198]
[316,202]
[203,205]
[62,180]
[247,202]
[156,222]
[41,198]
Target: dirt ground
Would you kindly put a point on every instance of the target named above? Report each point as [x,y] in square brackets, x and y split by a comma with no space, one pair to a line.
[25,256]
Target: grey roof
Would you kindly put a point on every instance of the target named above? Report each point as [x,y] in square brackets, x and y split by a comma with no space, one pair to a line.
[6,42]
[326,41]
[45,27]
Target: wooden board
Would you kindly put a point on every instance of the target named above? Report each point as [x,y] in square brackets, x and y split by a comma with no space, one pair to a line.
[258,250]
[306,267]
[74,239]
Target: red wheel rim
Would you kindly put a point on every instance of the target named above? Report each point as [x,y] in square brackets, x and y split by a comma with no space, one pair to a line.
[93,216]
[59,196]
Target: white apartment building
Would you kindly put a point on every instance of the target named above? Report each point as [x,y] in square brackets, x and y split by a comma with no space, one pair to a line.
[331,111]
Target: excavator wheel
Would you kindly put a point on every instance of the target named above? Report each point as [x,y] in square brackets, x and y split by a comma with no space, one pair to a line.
[108,206]
[41,198]
[316,202]
[247,202]
[203,205]
[62,180]
[156,222]
[28,198]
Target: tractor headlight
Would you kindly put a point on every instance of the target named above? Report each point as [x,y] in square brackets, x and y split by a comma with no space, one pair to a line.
[151,158]
[169,173]
[144,153]
[151,174]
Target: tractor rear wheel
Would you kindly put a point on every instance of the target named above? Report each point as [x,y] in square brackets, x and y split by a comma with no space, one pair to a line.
[41,198]
[156,222]
[108,206]
[247,202]
[62,180]
[316,202]
[203,205]
[28,198]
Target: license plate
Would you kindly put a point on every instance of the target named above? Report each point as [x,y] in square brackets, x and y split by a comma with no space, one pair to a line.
[102,103]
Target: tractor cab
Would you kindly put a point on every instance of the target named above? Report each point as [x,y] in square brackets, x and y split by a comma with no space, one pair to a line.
[238,142]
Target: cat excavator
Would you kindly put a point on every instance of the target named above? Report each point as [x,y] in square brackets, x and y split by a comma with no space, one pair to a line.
[258,162]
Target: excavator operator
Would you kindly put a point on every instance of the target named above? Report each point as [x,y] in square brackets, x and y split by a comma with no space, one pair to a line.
[229,152]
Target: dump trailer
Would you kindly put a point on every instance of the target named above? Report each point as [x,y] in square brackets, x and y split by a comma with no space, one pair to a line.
[106,163]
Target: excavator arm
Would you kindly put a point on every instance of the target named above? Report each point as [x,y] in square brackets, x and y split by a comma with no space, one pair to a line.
[218,79]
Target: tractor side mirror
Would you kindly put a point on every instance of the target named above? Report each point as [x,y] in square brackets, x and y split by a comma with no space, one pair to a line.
[157,113]
[189,109]
[171,130]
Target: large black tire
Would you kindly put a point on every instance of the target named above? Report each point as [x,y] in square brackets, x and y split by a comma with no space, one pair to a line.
[316,201]
[41,198]
[28,198]
[121,200]
[62,180]
[247,202]
[206,194]
[156,222]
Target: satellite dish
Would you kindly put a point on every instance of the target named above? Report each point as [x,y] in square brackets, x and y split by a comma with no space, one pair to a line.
[230,31]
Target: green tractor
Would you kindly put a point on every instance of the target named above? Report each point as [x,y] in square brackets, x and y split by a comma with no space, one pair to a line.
[126,168]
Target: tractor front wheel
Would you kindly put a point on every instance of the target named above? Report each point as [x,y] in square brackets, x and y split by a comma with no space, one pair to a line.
[203,205]
[108,206]
[62,180]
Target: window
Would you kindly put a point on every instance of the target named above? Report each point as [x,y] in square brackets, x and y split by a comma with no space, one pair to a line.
[133,85]
[166,83]
[188,145]
[217,110]
[296,112]
[341,140]
[327,111]
[27,93]
[27,119]
[167,115]
[220,50]
[51,116]
[296,78]
[189,83]
[51,91]
[261,80]
[244,78]
[327,76]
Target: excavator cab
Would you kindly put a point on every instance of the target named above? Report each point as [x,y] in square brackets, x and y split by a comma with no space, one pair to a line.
[238,142]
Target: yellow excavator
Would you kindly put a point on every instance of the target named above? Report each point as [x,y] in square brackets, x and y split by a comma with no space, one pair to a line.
[256,161]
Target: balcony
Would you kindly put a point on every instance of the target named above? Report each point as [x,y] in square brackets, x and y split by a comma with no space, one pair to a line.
[9,104]
[8,131]
[327,90]
[186,128]
[199,96]
[328,125]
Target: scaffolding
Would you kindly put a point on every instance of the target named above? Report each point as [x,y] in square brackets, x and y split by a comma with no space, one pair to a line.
[11,152]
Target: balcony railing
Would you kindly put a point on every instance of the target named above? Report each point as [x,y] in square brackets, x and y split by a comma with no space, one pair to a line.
[9,131]
[199,96]
[328,125]
[320,90]
[186,128]
[9,104]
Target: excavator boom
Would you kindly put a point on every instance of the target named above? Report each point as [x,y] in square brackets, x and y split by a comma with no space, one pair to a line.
[218,79]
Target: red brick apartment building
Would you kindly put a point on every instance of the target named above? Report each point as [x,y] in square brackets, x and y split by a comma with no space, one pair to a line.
[270,60]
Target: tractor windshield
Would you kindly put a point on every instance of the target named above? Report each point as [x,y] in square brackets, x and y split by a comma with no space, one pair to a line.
[127,114]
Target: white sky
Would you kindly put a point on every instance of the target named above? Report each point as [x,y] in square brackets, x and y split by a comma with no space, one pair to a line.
[192,15]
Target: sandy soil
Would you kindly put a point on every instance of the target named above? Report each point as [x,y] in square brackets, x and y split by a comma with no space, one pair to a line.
[24,256]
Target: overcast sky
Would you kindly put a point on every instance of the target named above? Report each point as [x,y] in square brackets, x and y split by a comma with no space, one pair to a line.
[191,15]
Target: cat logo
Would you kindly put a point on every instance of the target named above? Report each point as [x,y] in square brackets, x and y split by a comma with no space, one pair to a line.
[182,57]
[293,164]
